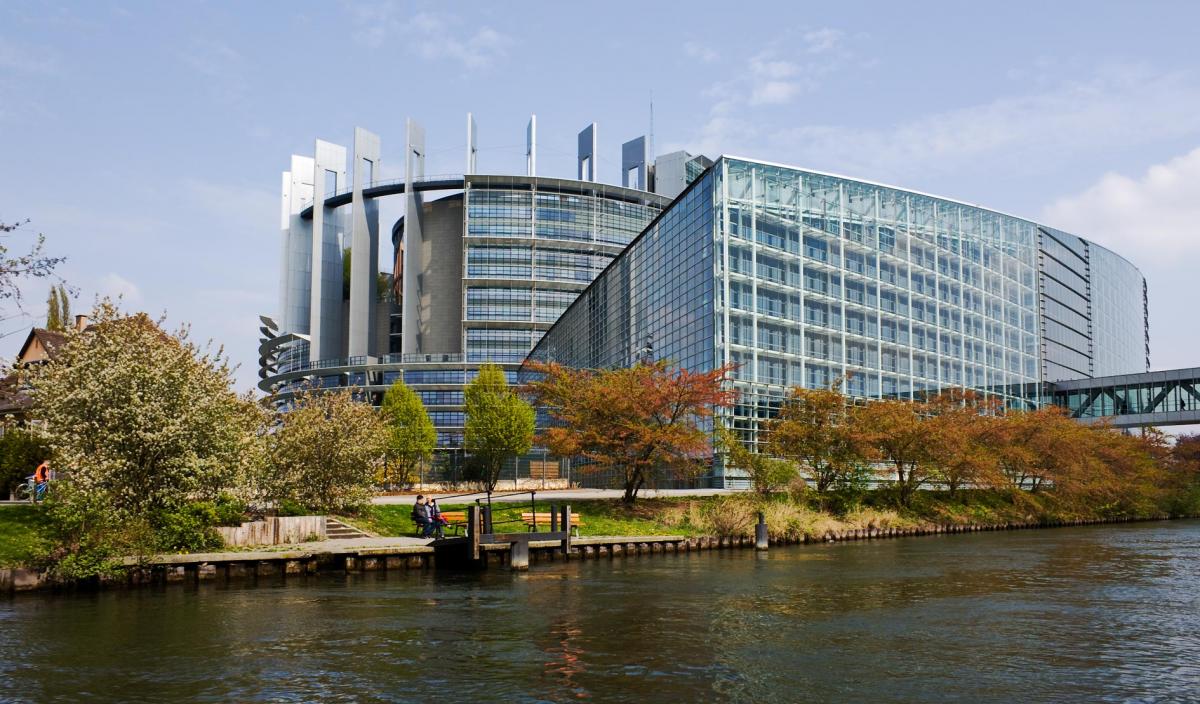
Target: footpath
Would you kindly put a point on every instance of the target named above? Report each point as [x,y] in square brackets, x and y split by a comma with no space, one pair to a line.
[517,496]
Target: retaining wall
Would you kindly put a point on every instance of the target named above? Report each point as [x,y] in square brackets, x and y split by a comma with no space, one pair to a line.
[280,530]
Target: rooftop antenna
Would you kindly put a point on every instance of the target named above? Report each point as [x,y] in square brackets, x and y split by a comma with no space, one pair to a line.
[651,150]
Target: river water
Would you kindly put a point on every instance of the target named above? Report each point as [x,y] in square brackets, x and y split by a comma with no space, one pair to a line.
[1103,613]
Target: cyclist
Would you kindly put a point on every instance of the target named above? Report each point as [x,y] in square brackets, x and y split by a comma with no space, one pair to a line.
[41,479]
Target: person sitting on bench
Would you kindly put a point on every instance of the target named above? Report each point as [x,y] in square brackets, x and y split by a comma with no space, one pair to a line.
[426,527]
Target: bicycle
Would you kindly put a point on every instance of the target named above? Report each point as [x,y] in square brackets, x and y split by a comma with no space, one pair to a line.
[29,491]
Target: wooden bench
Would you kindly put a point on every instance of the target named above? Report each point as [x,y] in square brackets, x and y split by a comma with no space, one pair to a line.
[541,518]
[457,519]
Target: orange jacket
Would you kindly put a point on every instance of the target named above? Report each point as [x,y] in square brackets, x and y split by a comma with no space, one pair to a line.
[42,473]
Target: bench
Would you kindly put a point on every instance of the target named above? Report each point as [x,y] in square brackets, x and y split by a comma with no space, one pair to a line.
[457,520]
[533,521]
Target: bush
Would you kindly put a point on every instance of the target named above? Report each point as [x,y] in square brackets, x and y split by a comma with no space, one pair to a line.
[229,510]
[287,507]
[188,528]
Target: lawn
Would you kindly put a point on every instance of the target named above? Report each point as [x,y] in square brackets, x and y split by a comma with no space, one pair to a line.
[20,530]
[597,517]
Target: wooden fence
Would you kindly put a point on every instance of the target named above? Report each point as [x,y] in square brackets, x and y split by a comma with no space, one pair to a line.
[275,531]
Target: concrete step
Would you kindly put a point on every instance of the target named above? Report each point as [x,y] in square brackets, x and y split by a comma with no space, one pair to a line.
[336,530]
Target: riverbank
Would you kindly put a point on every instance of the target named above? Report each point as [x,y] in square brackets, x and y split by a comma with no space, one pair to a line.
[683,522]
[278,565]
[794,518]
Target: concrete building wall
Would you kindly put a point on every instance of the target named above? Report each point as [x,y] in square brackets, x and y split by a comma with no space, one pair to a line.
[328,234]
[436,302]
[297,247]
[364,264]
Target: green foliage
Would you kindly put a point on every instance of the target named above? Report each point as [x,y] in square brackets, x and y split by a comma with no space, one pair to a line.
[58,313]
[499,423]
[22,533]
[188,528]
[411,435]
[21,451]
[325,452]
[288,507]
[141,423]
[767,473]
[229,510]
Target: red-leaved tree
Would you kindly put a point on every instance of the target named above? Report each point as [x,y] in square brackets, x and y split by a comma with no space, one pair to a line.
[638,419]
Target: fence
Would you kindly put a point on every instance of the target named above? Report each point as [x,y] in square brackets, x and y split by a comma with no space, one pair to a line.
[279,530]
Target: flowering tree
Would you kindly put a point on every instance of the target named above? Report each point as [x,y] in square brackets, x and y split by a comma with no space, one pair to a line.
[634,419]
[325,452]
[140,422]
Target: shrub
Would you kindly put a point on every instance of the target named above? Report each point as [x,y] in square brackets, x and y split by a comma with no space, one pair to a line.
[188,528]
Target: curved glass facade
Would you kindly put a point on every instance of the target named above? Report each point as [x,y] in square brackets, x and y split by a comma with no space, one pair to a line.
[527,247]
[801,278]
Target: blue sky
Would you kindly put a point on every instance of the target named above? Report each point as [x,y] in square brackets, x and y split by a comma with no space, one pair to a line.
[146,140]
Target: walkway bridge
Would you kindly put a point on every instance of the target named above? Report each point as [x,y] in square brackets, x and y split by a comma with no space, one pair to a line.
[1170,397]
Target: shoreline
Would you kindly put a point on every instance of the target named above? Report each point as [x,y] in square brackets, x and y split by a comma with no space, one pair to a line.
[328,557]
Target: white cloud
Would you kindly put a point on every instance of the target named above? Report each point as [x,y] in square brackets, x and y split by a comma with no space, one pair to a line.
[429,35]
[1115,107]
[1154,217]
[820,41]
[116,286]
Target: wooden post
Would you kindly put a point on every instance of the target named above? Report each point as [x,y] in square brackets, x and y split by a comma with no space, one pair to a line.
[566,526]
[473,530]
[553,518]
[533,509]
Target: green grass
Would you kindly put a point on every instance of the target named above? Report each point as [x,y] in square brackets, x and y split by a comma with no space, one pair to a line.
[786,516]
[597,517]
[20,533]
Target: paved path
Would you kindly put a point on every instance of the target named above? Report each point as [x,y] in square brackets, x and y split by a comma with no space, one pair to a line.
[555,495]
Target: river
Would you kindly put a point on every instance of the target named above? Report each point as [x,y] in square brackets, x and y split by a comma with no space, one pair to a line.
[1101,613]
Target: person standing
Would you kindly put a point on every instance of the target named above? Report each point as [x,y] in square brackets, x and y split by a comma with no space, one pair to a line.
[41,479]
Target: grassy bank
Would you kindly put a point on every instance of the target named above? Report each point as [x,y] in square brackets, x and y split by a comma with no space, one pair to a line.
[787,516]
[21,528]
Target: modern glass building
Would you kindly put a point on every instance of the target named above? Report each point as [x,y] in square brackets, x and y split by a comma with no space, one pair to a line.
[800,278]
[483,265]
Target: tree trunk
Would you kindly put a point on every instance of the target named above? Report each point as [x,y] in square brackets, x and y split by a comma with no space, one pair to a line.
[633,485]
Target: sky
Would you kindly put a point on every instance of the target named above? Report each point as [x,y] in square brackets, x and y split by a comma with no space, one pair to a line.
[146,140]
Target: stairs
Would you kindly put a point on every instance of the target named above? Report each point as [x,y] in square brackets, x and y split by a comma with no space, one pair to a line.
[336,530]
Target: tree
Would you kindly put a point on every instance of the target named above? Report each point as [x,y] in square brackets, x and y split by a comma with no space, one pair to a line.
[33,265]
[895,432]
[58,309]
[767,473]
[814,428]
[499,423]
[635,420]
[325,452]
[21,450]
[958,430]
[139,422]
[411,435]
